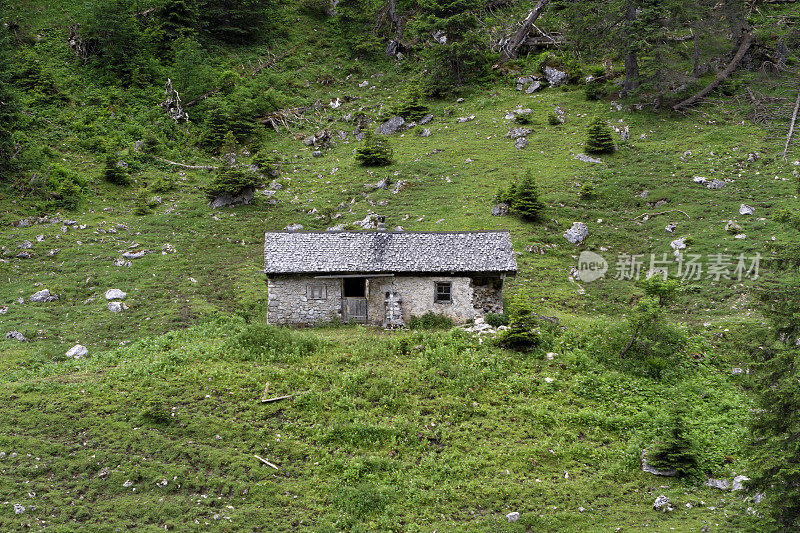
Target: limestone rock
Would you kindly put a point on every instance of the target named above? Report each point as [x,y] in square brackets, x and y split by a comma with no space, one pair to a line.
[115,294]
[650,469]
[364,84]
[43,296]
[294,227]
[15,335]
[732,227]
[244,197]
[663,504]
[678,244]
[18,509]
[134,255]
[77,351]
[533,87]
[554,76]
[721,484]
[500,210]
[117,307]
[521,143]
[738,482]
[516,133]
[671,227]
[745,209]
[577,233]
[393,125]
[426,119]
[512,516]
[424,133]
[461,120]
[587,158]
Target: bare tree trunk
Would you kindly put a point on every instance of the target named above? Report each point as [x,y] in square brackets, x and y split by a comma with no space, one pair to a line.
[511,49]
[747,40]
[791,126]
[631,62]
[397,21]
[631,71]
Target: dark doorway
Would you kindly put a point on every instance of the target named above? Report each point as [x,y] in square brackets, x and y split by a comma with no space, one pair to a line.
[354,287]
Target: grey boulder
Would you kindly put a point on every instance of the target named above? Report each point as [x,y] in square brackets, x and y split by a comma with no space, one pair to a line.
[77,351]
[577,233]
[244,197]
[43,296]
[393,125]
[115,294]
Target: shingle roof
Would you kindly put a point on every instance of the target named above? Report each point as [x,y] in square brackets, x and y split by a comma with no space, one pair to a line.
[375,251]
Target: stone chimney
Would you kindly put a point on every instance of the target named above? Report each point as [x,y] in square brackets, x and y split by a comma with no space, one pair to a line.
[381,220]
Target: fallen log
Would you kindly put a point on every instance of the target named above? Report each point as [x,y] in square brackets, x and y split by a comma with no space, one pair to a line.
[744,45]
[791,126]
[266,462]
[511,48]
[183,165]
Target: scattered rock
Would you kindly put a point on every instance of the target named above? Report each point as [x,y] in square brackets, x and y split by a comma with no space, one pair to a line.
[678,244]
[740,236]
[554,76]
[500,210]
[43,296]
[117,307]
[320,140]
[512,516]
[393,125]
[521,143]
[671,227]
[752,158]
[128,483]
[18,509]
[424,133]
[168,249]
[738,482]
[316,153]
[516,133]
[122,263]
[39,238]
[721,484]
[663,504]
[364,84]
[77,351]
[15,335]
[426,119]
[26,245]
[337,227]
[134,255]
[399,185]
[587,158]
[716,184]
[577,233]
[745,209]
[115,294]
[294,227]
[244,197]
[732,227]
[533,87]
[3,310]
[461,120]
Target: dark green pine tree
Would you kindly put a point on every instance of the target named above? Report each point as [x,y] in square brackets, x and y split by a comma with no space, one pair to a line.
[775,439]
[9,111]
[526,199]
[599,139]
[178,18]
[675,450]
[375,152]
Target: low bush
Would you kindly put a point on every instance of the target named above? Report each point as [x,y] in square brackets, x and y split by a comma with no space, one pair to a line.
[675,450]
[553,119]
[430,320]
[231,180]
[495,319]
[156,413]
[412,107]
[115,172]
[64,188]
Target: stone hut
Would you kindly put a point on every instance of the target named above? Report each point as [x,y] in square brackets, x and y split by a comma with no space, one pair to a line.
[383,277]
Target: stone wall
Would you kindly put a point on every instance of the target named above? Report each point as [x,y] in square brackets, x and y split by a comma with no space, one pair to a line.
[488,296]
[289,301]
[417,294]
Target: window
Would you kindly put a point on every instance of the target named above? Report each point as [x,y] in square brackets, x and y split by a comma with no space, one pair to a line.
[316,291]
[443,292]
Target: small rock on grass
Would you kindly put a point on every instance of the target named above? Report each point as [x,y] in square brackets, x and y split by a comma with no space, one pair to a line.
[663,504]
[77,351]
[512,516]
[115,294]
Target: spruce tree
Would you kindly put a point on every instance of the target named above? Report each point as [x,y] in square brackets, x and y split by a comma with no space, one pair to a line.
[114,173]
[599,139]
[375,152]
[526,199]
[675,450]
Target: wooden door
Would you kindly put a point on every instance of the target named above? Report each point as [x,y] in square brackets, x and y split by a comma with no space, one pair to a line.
[354,310]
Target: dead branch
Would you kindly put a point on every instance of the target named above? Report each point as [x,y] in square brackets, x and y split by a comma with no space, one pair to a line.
[266,462]
[511,48]
[791,126]
[277,398]
[187,167]
[747,40]
[651,215]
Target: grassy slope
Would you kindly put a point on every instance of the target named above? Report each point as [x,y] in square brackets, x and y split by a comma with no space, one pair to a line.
[403,431]
[222,251]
